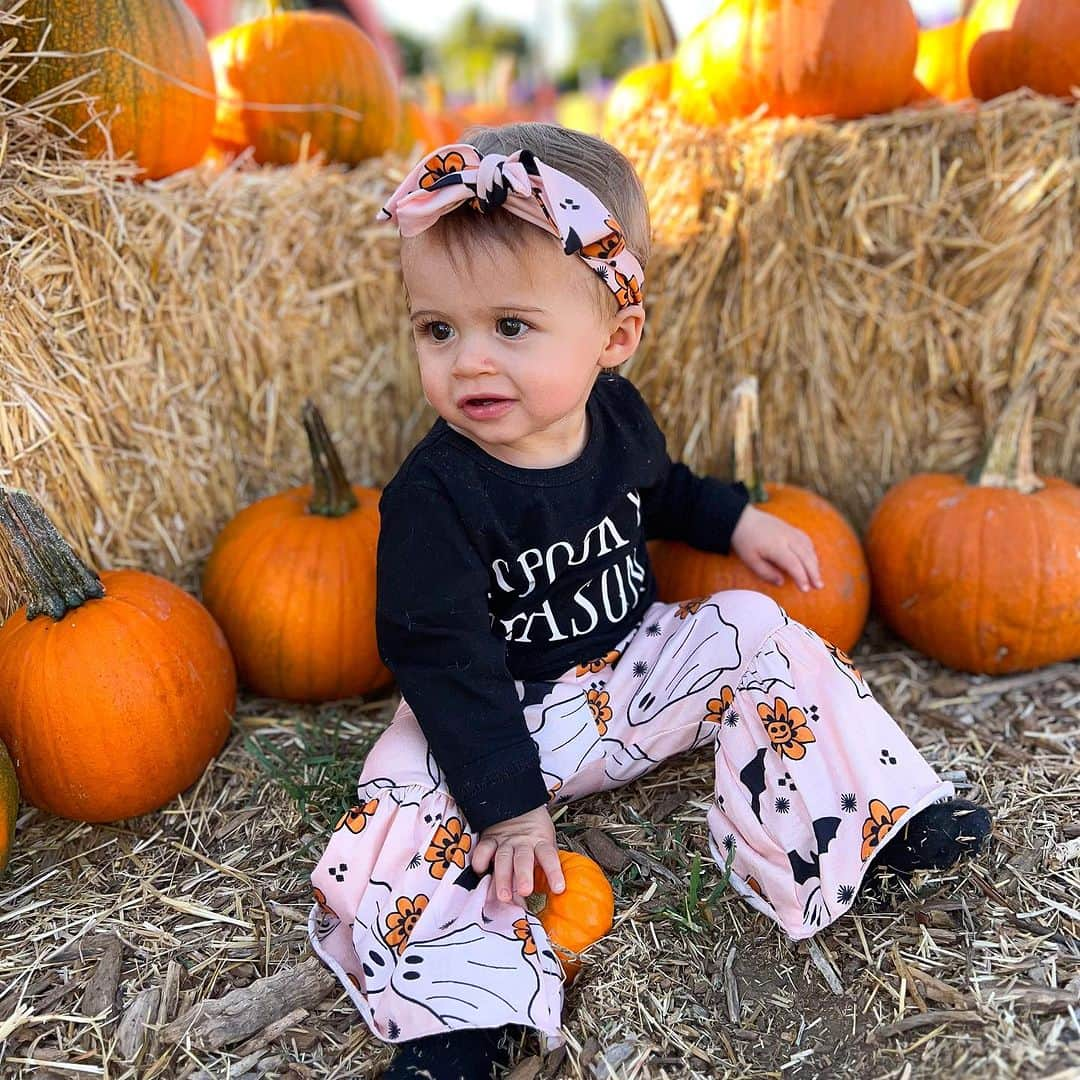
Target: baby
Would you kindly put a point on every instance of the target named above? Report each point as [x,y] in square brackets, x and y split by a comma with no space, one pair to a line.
[517,610]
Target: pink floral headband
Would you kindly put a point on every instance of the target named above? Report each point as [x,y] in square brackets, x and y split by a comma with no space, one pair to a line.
[522,184]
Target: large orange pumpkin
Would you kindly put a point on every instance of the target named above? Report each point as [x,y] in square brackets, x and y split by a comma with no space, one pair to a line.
[9,805]
[144,62]
[291,580]
[1014,43]
[642,87]
[838,611]
[580,915]
[115,691]
[941,67]
[843,58]
[983,574]
[303,80]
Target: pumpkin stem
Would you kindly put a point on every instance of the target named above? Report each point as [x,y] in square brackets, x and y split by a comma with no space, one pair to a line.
[660,37]
[1009,461]
[746,456]
[333,495]
[56,579]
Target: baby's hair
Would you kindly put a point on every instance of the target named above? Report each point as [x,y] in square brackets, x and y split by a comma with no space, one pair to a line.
[589,160]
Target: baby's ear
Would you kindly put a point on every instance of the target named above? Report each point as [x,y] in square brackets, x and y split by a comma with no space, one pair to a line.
[624,338]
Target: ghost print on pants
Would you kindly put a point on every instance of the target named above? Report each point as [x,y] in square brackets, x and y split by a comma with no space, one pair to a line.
[812,777]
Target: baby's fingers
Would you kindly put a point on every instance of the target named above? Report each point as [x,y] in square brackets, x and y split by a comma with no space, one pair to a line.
[548,858]
[482,853]
[763,568]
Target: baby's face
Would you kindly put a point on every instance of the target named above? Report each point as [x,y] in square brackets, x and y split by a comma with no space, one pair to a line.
[509,347]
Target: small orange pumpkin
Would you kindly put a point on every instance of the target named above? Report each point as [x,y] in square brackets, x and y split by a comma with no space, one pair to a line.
[983,573]
[1014,43]
[115,690]
[843,58]
[838,611]
[9,805]
[291,580]
[303,79]
[580,915]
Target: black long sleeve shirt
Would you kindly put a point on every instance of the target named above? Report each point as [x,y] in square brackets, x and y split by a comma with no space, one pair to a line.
[490,573]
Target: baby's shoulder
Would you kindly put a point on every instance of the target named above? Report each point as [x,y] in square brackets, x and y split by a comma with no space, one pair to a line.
[623,402]
[430,470]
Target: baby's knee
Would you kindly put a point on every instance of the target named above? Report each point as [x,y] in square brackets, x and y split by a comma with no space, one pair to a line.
[751,611]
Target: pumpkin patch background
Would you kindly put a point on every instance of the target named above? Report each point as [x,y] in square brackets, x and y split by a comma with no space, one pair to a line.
[890,280]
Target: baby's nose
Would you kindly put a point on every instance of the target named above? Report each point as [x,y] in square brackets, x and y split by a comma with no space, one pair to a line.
[472,360]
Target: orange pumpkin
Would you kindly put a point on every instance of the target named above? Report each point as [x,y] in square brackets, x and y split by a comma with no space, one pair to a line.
[419,132]
[580,915]
[296,81]
[843,58]
[983,574]
[1014,43]
[291,580]
[144,62]
[639,89]
[941,66]
[838,611]
[115,691]
[9,805]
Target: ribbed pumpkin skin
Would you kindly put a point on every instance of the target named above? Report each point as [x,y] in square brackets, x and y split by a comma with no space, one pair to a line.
[1014,43]
[837,612]
[636,93]
[303,58]
[117,707]
[161,110]
[983,579]
[941,67]
[9,805]
[295,594]
[843,58]
[574,919]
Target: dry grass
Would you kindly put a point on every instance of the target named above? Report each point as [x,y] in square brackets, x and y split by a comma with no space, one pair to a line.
[973,973]
[887,279]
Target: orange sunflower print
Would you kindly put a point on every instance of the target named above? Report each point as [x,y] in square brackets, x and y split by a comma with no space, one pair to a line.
[689,607]
[594,667]
[629,291]
[448,848]
[607,247]
[843,658]
[400,923]
[786,727]
[876,827]
[324,907]
[601,711]
[718,707]
[523,932]
[355,818]
[439,165]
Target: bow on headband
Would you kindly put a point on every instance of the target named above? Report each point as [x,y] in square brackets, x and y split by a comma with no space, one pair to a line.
[522,184]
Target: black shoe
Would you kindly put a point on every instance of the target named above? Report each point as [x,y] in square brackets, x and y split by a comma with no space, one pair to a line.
[937,837]
[468,1054]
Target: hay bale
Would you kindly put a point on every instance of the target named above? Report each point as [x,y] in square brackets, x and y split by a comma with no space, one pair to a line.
[886,279]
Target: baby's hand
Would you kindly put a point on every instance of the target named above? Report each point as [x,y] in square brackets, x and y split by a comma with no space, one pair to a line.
[766,544]
[516,844]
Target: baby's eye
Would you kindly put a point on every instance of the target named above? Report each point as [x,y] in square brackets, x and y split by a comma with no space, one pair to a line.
[511,327]
[437,331]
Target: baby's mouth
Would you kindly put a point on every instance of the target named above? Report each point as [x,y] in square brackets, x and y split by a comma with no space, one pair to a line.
[485,407]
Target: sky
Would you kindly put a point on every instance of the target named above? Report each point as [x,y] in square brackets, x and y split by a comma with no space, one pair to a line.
[546,18]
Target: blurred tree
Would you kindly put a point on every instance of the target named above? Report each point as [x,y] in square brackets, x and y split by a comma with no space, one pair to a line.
[607,39]
[412,50]
[470,46]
